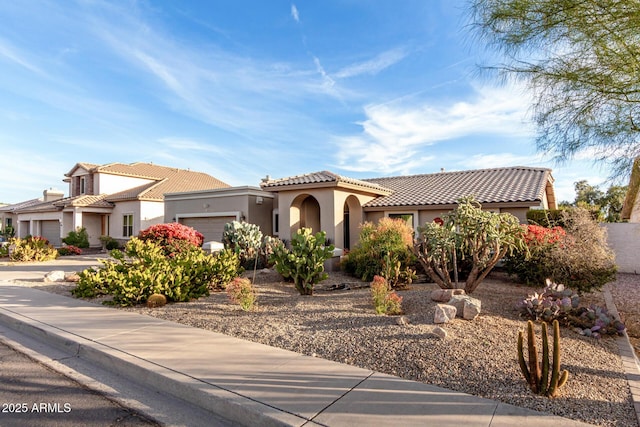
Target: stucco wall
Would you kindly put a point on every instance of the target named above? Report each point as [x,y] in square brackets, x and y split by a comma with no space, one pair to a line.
[624,239]
[109,184]
[237,201]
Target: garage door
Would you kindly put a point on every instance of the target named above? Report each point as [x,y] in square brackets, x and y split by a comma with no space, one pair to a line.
[50,230]
[210,227]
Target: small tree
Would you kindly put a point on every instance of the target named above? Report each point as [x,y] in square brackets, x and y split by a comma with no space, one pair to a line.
[480,237]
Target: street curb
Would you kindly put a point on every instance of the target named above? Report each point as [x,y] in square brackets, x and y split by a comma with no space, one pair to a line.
[209,397]
[630,362]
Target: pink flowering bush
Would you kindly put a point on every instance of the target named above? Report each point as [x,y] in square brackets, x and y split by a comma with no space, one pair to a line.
[70,250]
[172,237]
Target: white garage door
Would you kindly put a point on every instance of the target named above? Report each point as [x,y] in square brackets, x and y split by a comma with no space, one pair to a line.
[50,230]
[210,227]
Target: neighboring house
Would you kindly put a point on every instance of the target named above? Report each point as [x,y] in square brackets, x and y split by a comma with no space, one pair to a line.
[631,207]
[9,213]
[115,199]
[209,210]
[338,205]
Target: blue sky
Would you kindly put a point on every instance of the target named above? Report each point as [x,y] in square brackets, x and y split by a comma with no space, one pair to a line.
[241,89]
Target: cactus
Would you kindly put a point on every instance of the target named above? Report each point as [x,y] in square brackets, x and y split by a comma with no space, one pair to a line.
[304,262]
[537,374]
[156,300]
[245,240]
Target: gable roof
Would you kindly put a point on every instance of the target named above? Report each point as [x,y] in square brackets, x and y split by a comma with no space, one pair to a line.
[20,205]
[498,185]
[322,178]
[166,180]
[632,191]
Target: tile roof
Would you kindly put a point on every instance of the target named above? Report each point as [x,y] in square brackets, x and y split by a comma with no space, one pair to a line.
[84,201]
[20,205]
[513,184]
[319,178]
[166,180]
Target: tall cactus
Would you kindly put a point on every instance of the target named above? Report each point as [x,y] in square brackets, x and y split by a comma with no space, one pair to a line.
[537,374]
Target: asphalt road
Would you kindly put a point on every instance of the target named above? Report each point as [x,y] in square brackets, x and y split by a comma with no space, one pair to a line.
[32,395]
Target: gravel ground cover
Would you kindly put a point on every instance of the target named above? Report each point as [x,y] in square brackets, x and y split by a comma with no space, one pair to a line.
[477,357]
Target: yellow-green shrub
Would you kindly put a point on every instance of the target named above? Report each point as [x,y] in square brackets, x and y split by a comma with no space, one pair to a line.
[31,249]
[144,269]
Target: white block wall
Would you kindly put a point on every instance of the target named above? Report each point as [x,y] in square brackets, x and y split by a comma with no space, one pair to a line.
[624,239]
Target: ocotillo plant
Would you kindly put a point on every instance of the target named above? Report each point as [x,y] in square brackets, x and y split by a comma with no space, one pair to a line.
[537,374]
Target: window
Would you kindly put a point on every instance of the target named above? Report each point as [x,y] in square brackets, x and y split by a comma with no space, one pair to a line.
[406,216]
[275,222]
[82,185]
[127,225]
[9,222]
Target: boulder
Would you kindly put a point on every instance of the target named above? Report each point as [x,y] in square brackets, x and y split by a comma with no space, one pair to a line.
[439,332]
[444,295]
[459,302]
[71,277]
[54,276]
[471,309]
[444,313]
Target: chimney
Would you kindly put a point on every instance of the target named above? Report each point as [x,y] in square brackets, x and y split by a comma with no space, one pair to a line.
[51,195]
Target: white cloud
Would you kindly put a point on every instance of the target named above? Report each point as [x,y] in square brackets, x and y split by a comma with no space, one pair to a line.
[373,66]
[190,145]
[294,13]
[9,52]
[395,134]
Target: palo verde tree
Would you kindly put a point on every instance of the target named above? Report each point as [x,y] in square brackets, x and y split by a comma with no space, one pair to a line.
[581,59]
[482,237]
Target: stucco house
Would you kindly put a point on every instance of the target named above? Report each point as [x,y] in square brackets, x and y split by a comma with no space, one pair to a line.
[114,199]
[338,205]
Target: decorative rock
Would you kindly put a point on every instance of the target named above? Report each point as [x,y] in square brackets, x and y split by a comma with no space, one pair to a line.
[439,332]
[471,309]
[71,277]
[54,276]
[444,313]
[459,301]
[402,321]
[444,295]
[212,247]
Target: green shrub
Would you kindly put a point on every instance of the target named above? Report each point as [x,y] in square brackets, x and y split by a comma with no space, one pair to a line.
[31,249]
[78,238]
[304,262]
[241,292]
[581,260]
[546,217]
[385,300]
[384,249]
[173,237]
[534,264]
[109,243]
[144,269]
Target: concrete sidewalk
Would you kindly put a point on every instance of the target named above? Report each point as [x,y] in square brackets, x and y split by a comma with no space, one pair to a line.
[248,383]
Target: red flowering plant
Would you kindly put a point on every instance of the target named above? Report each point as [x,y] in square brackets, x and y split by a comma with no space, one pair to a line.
[70,250]
[536,235]
[173,237]
[534,265]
